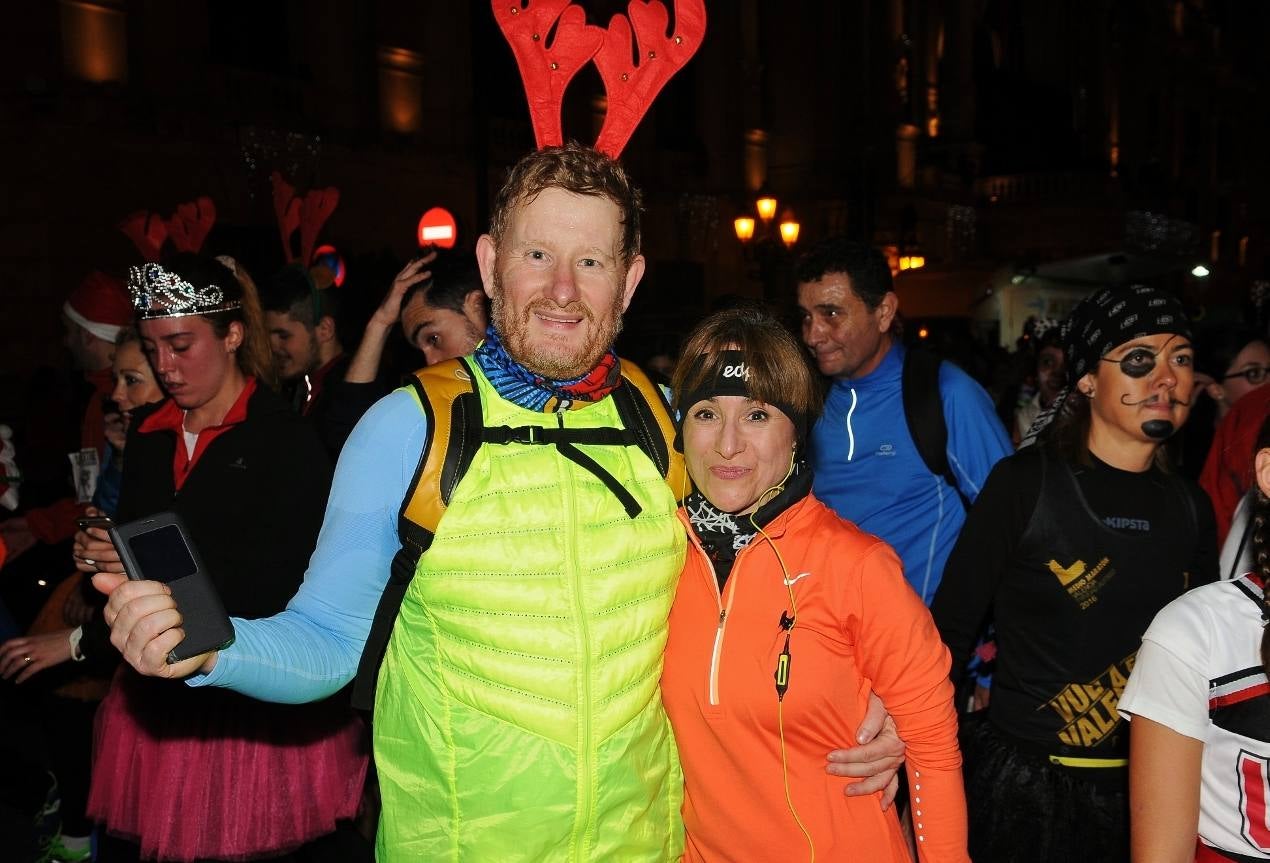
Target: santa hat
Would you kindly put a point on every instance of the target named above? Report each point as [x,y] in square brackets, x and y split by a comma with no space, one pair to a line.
[100,305]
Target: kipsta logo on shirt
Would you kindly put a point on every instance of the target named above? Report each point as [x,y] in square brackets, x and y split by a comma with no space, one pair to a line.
[885,449]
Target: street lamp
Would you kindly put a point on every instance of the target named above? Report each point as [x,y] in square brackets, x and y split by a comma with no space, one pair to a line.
[789,230]
[747,228]
[767,243]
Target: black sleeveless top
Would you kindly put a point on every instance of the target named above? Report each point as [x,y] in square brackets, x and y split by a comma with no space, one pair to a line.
[1072,605]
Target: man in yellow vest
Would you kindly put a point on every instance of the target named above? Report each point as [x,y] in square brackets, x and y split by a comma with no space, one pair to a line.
[518,713]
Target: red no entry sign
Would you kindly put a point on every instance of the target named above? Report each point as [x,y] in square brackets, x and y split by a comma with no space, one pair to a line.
[437,228]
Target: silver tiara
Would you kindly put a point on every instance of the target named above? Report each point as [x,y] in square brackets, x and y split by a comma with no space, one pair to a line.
[158,293]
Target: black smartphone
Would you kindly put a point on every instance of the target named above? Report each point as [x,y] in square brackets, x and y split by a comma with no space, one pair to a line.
[104,522]
[159,548]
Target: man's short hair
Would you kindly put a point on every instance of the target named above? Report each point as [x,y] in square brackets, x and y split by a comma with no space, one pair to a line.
[866,267]
[453,278]
[292,291]
[573,168]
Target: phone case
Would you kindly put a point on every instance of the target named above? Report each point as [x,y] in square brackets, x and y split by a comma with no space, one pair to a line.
[207,626]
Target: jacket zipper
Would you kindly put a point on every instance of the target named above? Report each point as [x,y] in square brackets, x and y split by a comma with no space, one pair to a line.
[716,657]
[582,825]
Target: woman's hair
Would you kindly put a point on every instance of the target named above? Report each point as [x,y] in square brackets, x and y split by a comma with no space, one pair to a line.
[254,355]
[127,334]
[778,370]
[1067,437]
[1215,351]
[1259,514]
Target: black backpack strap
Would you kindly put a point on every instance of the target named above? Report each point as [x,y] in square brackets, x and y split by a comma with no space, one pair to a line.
[646,423]
[503,435]
[645,413]
[584,461]
[565,440]
[638,418]
[924,413]
[452,411]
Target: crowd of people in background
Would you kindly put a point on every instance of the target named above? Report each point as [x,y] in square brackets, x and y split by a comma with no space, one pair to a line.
[818,592]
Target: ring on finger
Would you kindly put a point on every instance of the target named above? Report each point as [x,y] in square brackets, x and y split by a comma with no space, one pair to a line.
[90,561]
[27,658]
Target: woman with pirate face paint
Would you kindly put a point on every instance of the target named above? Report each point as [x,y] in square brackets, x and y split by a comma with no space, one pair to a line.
[1148,384]
[1072,547]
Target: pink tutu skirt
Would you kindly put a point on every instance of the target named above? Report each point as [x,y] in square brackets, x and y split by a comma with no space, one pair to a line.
[206,773]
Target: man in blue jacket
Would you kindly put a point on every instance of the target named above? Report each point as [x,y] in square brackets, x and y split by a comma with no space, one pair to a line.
[867,465]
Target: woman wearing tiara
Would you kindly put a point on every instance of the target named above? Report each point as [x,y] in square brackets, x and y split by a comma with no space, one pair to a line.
[193,774]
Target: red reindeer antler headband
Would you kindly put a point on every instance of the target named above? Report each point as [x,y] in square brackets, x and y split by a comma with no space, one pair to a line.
[187,229]
[633,72]
[308,214]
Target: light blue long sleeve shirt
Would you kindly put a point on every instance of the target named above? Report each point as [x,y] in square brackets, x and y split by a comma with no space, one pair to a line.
[312,649]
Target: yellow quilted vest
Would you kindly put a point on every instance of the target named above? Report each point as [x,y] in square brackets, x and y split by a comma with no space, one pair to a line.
[518,715]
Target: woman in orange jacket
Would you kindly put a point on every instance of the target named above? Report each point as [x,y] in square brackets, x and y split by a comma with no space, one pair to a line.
[785,618]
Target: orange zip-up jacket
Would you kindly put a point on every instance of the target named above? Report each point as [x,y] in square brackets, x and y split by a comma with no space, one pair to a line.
[859,627]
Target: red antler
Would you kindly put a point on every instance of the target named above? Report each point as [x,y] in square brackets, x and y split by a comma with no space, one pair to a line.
[630,88]
[147,232]
[191,224]
[286,208]
[546,71]
[316,208]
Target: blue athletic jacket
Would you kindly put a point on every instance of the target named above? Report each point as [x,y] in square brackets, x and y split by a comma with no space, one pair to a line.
[868,469]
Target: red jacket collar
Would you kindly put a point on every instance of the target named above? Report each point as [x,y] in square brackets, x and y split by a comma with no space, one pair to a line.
[171,416]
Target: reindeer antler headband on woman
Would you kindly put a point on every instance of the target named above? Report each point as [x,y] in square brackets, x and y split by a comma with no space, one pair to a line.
[633,71]
[158,292]
[307,214]
[187,229]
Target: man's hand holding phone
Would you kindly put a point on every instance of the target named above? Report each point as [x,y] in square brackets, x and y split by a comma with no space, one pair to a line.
[145,626]
[93,551]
